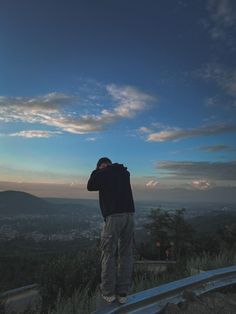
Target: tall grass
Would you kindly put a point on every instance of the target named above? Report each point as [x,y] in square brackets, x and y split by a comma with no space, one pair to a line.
[209,261]
[82,302]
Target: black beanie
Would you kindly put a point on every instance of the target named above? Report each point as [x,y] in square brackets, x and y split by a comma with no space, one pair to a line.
[103,160]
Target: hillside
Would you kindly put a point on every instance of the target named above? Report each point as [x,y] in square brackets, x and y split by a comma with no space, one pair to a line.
[16,203]
[211,222]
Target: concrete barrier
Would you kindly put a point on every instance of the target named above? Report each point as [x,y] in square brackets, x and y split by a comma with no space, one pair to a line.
[154,267]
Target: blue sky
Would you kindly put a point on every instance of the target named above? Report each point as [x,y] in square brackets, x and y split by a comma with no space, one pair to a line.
[150,84]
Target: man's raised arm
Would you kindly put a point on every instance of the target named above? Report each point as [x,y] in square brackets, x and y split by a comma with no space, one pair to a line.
[93,182]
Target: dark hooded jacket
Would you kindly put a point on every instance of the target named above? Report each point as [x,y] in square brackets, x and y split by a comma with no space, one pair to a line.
[113,184]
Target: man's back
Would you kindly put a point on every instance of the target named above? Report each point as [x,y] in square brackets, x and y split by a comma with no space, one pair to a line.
[113,184]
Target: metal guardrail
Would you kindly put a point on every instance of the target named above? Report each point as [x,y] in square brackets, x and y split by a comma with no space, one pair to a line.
[16,291]
[153,301]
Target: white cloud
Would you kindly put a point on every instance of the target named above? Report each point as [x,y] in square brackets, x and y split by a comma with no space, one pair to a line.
[152,183]
[144,130]
[162,136]
[91,139]
[75,183]
[35,133]
[201,184]
[130,100]
[177,133]
[53,110]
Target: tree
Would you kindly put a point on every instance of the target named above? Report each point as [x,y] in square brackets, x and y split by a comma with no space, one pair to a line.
[228,236]
[171,230]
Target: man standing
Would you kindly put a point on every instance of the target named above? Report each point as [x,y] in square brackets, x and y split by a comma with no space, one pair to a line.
[112,180]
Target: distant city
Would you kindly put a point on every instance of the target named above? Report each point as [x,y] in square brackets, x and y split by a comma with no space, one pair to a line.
[69,219]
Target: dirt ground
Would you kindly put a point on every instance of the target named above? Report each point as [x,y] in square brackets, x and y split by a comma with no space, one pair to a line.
[212,303]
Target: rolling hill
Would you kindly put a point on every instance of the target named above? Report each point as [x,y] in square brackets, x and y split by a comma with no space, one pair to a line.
[16,203]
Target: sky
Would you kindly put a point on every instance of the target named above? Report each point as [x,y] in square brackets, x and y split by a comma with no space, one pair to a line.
[149,84]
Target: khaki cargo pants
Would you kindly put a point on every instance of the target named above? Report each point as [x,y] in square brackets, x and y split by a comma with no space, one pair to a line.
[117,254]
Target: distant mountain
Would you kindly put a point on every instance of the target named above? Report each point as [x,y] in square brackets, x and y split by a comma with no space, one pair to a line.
[90,203]
[211,222]
[16,203]
[84,207]
[216,194]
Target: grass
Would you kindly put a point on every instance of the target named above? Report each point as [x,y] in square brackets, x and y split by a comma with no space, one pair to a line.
[82,302]
[208,261]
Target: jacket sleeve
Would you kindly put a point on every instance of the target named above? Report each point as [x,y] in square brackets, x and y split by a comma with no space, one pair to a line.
[94,181]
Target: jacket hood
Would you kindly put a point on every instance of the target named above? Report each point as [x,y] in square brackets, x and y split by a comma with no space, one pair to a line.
[118,166]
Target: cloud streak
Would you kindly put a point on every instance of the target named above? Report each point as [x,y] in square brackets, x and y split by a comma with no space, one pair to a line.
[47,103]
[178,133]
[35,133]
[222,19]
[216,148]
[224,77]
[198,170]
[54,110]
